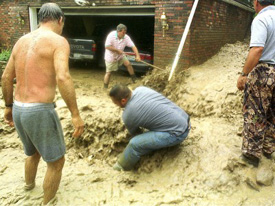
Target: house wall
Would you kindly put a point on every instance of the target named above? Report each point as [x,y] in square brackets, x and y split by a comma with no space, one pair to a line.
[215,23]
[12,27]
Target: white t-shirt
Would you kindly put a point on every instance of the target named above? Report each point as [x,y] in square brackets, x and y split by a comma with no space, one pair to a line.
[263,34]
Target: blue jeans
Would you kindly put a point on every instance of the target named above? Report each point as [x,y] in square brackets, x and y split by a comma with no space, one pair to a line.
[145,143]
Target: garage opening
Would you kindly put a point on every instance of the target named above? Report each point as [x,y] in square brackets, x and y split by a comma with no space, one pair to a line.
[96,22]
[97,25]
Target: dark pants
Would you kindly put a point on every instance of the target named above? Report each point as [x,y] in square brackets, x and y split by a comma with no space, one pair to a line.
[259,111]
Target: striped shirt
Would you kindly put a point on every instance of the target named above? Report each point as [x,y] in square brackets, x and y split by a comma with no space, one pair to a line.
[113,40]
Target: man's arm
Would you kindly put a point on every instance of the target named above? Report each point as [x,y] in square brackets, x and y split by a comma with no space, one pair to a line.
[252,60]
[65,84]
[109,44]
[135,50]
[133,130]
[113,49]
[130,124]
[7,89]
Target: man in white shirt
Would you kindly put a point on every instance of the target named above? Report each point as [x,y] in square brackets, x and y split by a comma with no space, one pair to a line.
[114,53]
[258,81]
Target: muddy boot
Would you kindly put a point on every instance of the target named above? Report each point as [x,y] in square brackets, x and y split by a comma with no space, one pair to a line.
[117,167]
[250,159]
[264,175]
[105,86]
[269,156]
[134,78]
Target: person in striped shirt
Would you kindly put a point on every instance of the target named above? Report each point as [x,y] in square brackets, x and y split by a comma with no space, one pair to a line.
[114,53]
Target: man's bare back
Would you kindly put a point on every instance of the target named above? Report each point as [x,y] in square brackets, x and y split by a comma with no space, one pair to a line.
[35,57]
[39,62]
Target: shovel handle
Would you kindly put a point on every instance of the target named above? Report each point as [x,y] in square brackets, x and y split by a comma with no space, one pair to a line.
[151,65]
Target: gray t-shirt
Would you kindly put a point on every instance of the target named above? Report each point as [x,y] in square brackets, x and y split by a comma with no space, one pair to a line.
[263,33]
[150,110]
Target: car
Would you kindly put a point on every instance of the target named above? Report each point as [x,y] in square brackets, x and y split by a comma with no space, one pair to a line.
[82,49]
[139,67]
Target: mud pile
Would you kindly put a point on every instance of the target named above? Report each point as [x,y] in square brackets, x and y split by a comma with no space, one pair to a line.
[105,135]
[208,89]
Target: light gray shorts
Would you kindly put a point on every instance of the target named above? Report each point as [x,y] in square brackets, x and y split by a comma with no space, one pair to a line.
[39,129]
[113,66]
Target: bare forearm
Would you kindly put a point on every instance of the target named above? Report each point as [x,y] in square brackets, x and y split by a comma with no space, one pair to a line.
[7,90]
[135,50]
[67,91]
[253,58]
[113,49]
[7,82]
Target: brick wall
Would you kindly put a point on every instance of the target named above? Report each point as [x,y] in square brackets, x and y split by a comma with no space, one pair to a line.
[215,24]
[14,21]
[165,48]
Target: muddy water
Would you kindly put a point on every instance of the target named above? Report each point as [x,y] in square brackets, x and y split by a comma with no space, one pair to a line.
[205,169]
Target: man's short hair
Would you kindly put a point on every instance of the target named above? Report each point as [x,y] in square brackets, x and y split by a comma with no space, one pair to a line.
[266,2]
[50,12]
[120,92]
[121,27]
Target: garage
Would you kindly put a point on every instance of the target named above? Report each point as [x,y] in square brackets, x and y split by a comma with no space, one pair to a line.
[96,22]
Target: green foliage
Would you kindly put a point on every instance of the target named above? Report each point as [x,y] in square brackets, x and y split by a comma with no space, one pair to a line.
[5,55]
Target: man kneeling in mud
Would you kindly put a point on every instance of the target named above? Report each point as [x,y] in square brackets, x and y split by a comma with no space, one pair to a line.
[167,123]
[39,61]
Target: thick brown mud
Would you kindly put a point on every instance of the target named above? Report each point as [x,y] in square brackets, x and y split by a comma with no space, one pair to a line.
[205,169]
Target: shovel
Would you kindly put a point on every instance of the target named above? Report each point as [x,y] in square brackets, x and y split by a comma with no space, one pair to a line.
[151,65]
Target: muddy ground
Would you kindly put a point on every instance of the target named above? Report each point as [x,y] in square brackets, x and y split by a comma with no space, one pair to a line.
[205,169]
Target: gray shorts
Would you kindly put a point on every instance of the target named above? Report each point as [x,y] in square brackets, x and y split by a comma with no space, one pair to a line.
[39,129]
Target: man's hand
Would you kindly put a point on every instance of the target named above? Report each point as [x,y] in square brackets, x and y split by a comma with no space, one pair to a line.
[8,116]
[241,82]
[78,124]
[120,52]
[138,58]
[252,60]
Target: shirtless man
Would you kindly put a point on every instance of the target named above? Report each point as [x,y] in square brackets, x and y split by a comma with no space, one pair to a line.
[39,61]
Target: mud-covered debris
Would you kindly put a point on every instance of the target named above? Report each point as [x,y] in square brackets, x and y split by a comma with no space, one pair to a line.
[264,174]
[252,184]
